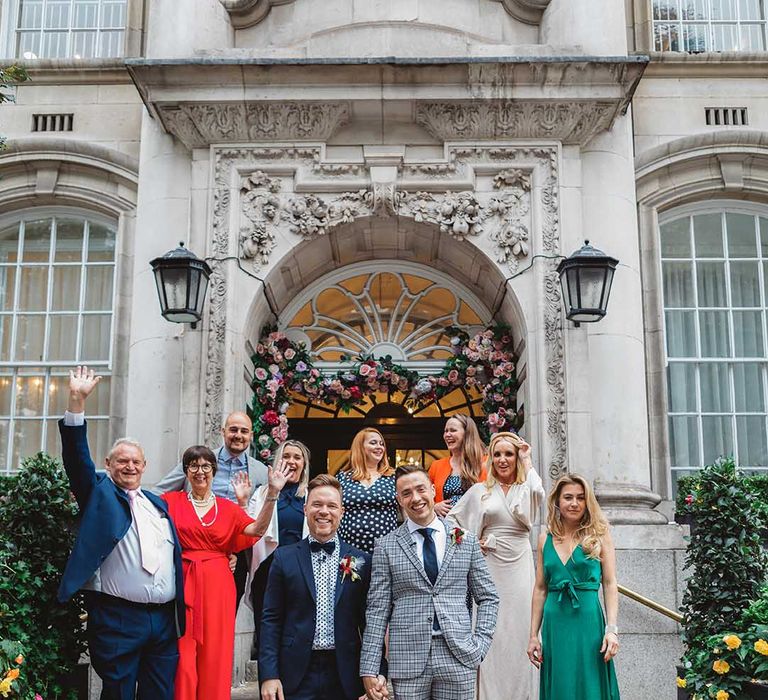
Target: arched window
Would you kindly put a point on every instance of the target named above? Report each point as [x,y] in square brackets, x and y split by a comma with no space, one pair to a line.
[715,277]
[57,278]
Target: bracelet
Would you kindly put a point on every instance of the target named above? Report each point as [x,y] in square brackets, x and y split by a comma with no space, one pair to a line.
[272,498]
[612,629]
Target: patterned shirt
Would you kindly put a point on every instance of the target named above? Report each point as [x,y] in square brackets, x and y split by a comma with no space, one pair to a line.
[325,568]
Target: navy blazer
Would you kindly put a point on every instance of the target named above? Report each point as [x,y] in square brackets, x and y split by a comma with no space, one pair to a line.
[105,516]
[288,618]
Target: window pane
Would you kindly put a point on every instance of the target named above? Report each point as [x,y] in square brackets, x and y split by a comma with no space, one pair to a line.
[4,428]
[714,334]
[745,284]
[83,45]
[681,333]
[65,295]
[708,235]
[52,439]
[748,334]
[37,241]
[681,387]
[676,239]
[98,438]
[742,242]
[98,290]
[30,396]
[695,38]
[31,14]
[96,331]
[718,437]
[9,244]
[86,14]
[7,287]
[725,37]
[6,389]
[55,44]
[6,323]
[715,387]
[62,338]
[678,284]
[98,405]
[27,439]
[69,240]
[750,431]
[710,277]
[683,441]
[101,243]
[58,395]
[748,387]
[30,332]
[752,37]
[764,236]
[33,292]
[751,9]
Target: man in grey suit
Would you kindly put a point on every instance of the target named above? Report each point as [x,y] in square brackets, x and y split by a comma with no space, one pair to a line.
[232,458]
[421,575]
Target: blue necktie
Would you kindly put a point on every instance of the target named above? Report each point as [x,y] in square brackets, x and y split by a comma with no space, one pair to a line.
[430,554]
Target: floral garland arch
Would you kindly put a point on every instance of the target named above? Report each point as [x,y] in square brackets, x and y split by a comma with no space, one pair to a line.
[485,361]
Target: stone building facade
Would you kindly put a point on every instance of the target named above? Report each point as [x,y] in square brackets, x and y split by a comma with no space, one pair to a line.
[297,143]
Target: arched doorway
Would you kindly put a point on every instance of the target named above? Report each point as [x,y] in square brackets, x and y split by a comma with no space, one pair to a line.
[388,308]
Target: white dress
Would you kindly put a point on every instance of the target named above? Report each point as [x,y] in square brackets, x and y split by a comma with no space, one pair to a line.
[505,523]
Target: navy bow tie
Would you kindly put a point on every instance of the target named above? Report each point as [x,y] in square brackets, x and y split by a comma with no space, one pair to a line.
[327,547]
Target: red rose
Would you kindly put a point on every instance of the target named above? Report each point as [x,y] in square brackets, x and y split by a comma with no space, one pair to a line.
[354,392]
[271,418]
[689,499]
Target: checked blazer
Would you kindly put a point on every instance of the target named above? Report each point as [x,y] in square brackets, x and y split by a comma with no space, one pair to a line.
[402,597]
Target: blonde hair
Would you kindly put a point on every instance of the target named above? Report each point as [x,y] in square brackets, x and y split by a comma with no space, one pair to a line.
[517,442]
[301,447]
[357,457]
[472,451]
[593,525]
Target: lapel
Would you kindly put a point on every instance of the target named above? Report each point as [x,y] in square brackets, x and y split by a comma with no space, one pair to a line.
[305,564]
[405,540]
[450,551]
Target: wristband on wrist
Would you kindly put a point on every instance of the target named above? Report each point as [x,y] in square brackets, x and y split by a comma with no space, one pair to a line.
[271,498]
[612,629]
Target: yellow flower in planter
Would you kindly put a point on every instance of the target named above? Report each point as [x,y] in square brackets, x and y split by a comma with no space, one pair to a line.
[721,667]
[761,647]
[5,687]
[732,641]
[12,674]
[722,695]
[681,682]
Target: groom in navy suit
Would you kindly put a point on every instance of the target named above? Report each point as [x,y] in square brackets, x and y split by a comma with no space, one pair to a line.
[314,609]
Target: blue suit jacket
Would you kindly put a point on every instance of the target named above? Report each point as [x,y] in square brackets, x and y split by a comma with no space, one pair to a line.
[105,516]
[288,618]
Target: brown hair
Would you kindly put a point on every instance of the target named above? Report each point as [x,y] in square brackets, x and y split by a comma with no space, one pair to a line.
[472,451]
[517,442]
[357,457]
[408,469]
[192,454]
[593,525]
[301,447]
[324,480]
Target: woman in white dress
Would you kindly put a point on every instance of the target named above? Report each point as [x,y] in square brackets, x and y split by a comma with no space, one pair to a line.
[501,512]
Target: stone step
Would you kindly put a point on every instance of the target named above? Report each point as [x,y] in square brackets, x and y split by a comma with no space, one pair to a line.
[247,691]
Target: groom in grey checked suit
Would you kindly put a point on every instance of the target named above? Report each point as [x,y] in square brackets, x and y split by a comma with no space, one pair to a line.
[421,574]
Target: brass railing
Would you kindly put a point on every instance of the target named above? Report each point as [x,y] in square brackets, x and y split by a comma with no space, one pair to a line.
[652,604]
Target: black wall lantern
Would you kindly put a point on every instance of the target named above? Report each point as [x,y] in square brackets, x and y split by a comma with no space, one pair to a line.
[182,281]
[585,278]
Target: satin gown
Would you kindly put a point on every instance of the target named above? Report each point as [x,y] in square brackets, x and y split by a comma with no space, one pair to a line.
[505,522]
[572,630]
[207,647]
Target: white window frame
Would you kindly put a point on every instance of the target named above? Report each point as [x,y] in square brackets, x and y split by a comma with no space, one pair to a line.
[721,207]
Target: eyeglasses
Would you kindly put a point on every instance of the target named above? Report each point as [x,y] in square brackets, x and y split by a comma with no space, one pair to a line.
[205,468]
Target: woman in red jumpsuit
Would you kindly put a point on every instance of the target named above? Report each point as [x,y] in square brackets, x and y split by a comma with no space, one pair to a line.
[210,529]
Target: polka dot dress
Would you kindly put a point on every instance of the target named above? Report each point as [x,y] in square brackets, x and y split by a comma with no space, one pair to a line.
[369,513]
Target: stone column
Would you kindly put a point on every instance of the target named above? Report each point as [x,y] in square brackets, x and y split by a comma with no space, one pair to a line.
[179,29]
[591,27]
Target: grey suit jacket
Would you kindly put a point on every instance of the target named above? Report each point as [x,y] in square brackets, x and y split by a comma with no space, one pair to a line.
[401,596]
[175,480]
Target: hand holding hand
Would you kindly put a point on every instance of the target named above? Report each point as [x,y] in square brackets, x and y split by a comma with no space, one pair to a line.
[375,688]
[610,646]
[241,483]
[442,508]
[82,382]
[272,690]
[277,477]
[534,652]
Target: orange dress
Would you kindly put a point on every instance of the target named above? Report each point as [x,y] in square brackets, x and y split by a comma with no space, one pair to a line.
[207,647]
[440,470]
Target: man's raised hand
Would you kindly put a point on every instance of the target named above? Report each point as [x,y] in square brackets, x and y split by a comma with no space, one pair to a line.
[82,382]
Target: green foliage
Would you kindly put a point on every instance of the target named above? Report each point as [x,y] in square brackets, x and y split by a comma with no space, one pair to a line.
[12,676]
[756,485]
[728,571]
[9,76]
[37,523]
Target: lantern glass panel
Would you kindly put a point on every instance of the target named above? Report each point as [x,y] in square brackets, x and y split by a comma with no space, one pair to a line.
[591,287]
[194,287]
[175,283]
[203,288]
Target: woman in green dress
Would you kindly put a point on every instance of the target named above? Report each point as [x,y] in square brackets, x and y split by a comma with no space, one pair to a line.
[575,654]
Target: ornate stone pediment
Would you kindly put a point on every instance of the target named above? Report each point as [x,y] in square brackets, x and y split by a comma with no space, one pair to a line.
[198,125]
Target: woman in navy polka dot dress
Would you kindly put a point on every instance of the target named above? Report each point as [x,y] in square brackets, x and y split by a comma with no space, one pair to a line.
[368,484]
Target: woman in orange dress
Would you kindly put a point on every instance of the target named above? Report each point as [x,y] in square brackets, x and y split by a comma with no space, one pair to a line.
[210,529]
[453,476]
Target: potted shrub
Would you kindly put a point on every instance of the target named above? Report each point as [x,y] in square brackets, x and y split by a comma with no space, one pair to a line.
[37,523]
[728,571]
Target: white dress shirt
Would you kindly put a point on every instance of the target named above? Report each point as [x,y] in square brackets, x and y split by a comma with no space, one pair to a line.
[121,574]
[439,537]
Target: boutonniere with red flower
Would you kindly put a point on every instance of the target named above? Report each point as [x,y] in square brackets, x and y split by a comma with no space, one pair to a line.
[348,567]
[457,535]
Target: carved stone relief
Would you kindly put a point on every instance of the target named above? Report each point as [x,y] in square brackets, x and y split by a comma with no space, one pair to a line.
[428,193]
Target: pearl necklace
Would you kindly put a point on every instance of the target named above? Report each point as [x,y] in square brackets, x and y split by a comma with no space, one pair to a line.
[201,503]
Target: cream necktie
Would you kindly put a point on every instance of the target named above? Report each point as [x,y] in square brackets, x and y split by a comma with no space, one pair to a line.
[150,560]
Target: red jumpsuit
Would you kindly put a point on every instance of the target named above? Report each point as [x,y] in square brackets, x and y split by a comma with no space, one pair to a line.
[207,647]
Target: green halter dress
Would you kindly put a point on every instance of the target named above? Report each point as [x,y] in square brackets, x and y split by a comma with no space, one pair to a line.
[572,630]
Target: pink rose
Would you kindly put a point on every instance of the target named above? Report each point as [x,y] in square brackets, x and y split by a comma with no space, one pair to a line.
[265,454]
[290,353]
[453,376]
[365,370]
[260,373]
